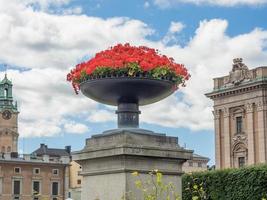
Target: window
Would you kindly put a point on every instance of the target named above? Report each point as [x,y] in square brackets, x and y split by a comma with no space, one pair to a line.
[55,188]
[190,163]
[3,149]
[239,125]
[55,171]
[16,187]
[79,181]
[241,161]
[36,170]
[36,187]
[17,170]
[8,149]
[6,93]
[199,164]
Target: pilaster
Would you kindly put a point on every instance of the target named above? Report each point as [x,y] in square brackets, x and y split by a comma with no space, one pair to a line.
[227,144]
[217,126]
[250,133]
[261,126]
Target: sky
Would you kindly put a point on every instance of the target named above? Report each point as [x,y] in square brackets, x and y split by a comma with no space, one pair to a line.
[42,40]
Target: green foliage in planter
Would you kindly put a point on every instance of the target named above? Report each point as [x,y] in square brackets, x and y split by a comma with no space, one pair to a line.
[133,70]
[249,183]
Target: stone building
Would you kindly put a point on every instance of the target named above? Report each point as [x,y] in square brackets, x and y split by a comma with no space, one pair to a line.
[196,164]
[240,116]
[34,177]
[8,119]
[75,180]
[42,175]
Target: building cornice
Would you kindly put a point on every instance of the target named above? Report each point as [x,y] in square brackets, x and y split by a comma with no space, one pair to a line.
[240,89]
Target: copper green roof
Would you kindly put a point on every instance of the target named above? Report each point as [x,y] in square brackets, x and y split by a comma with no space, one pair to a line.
[5,80]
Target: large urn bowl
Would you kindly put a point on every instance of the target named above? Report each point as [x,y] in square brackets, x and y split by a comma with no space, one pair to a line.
[128,76]
[127,93]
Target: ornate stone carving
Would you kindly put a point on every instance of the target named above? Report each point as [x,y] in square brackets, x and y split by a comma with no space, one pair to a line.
[226,112]
[216,114]
[249,107]
[239,73]
[240,138]
[260,106]
[238,111]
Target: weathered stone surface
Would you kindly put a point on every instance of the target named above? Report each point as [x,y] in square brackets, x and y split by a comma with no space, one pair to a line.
[108,160]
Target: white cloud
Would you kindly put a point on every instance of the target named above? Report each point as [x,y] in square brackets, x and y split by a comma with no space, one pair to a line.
[74,127]
[174,29]
[209,54]
[146,4]
[226,3]
[50,44]
[102,116]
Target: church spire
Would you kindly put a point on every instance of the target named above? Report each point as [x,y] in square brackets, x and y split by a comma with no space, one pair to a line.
[6,98]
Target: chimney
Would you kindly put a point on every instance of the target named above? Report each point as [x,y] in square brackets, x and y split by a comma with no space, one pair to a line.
[68,149]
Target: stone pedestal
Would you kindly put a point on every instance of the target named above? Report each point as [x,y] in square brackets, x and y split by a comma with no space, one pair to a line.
[109,159]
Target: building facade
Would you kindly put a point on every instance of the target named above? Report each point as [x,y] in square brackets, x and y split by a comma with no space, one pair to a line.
[240,116]
[29,177]
[41,175]
[75,180]
[196,164]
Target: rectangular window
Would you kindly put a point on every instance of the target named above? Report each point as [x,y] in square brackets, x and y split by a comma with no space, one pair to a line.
[17,170]
[55,188]
[239,125]
[79,181]
[241,161]
[36,187]
[190,163]
[199,164]
[16,187]
[55,171]
[36,171]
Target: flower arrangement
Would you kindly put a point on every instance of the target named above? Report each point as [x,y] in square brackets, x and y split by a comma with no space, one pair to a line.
[128,61]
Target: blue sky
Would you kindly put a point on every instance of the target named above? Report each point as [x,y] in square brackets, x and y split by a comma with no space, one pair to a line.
[42,40]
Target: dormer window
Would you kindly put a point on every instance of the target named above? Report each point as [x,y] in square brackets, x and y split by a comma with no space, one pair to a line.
[239,124]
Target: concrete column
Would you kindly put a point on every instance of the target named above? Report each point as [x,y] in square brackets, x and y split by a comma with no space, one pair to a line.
[227,138]
[262,139]
[250,133]
[217,126]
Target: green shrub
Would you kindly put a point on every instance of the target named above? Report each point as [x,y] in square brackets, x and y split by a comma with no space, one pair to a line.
[249,183]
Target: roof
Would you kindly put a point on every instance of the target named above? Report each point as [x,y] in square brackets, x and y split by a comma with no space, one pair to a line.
[6,80]
[197,156]
[44,150]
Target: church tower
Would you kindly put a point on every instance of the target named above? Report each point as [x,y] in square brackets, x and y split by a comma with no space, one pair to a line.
[8,118]
[240,116]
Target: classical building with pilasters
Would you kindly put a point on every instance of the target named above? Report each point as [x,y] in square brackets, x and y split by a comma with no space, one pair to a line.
[240,116]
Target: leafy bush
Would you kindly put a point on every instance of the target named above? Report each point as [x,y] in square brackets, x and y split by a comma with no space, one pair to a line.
[249,183]
[153,188]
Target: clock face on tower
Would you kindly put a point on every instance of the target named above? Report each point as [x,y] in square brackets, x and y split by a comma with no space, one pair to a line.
[6,114]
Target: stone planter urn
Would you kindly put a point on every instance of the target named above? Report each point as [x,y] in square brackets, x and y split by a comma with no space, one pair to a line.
[109,158]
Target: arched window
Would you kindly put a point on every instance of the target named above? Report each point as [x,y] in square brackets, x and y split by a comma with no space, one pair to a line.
[3,149]
[8,149]
[6,92]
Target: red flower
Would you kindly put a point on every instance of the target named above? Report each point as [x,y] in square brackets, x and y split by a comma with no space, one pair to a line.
[121,56]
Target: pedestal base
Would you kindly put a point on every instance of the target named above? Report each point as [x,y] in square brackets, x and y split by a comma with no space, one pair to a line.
[109,159]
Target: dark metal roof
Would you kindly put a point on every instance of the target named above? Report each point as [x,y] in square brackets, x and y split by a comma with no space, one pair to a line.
[44,150]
